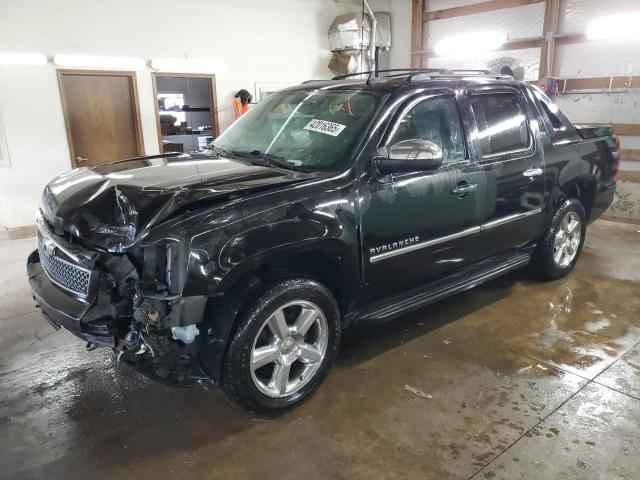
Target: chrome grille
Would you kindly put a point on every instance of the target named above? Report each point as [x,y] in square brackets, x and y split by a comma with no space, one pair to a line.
[67,275]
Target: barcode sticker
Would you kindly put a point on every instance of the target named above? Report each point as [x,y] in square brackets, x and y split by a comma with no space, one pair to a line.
[322,126]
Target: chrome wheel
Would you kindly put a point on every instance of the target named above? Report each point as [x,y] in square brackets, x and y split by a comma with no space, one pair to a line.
[567,240]
[289,348]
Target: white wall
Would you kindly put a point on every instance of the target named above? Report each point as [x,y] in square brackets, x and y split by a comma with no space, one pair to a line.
[254,41]
[400,10]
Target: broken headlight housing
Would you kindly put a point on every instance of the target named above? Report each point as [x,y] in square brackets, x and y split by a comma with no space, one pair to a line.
[163,269]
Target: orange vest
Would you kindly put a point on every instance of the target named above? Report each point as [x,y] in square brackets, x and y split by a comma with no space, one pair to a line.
[239,107]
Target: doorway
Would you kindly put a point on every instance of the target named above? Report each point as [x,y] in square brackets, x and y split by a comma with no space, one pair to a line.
[186,111]
[101,115]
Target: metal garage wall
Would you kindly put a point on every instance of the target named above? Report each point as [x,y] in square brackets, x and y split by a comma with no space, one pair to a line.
[253,41]
[578,60]
[516,23]
[603,59]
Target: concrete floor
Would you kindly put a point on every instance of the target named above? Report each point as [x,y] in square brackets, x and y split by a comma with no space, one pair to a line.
[528,380]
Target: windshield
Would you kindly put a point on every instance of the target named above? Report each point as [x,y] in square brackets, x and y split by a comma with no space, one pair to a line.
[314,130]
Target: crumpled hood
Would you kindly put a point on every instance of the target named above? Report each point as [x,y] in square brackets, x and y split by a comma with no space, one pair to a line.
[114,205]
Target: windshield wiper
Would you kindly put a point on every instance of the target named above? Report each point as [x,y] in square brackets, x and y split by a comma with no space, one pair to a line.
[220,151]
[276,160]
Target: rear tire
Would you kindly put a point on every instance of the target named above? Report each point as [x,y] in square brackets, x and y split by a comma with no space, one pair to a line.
[285,342]
[560,248]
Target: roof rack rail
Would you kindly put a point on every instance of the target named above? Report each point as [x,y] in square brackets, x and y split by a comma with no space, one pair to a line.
[456,73]
[417,74]
[375,73]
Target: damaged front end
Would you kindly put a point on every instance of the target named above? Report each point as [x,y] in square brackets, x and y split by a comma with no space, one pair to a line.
[131,301]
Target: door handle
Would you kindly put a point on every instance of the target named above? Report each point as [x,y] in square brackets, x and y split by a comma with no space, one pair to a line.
[532,172]
[80,159]
[462,190]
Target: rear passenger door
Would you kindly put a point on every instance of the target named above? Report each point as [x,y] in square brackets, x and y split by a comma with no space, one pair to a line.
[507,148]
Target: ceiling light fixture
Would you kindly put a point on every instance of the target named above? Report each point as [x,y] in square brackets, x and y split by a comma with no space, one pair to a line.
[37,59]
[470,43]
[619,26]
[93,61]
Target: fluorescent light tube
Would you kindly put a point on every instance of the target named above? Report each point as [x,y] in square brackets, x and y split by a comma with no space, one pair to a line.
[94,61]
[23,59]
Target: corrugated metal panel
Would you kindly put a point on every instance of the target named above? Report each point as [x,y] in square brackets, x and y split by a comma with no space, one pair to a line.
[520,22]
[619,107]
[575,15]
[525,61]
[595,59]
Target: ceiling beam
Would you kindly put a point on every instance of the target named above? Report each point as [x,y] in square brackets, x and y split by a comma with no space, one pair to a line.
[417,9]
[520,44]
[570,38]
[476,8]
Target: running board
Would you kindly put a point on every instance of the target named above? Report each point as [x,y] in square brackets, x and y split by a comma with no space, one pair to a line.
[418,298]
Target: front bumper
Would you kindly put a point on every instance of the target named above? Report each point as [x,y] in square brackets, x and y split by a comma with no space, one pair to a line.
[93,323]
[98,323]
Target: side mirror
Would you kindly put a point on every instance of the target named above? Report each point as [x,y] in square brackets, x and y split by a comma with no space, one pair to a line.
[411,156]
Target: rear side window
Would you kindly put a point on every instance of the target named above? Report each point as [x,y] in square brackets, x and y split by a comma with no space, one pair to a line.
[502,123]
[552,117]
[551,112]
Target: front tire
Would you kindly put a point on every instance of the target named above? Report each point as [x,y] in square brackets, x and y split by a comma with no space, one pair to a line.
[561,245]
[285,342]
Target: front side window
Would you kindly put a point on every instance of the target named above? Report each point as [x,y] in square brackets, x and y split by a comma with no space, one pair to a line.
[312,129]
[435,120]
[502,123]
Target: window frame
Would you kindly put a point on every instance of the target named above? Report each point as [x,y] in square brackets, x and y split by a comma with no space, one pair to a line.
[404,110]
[548,114]
[507,155]
[558,136]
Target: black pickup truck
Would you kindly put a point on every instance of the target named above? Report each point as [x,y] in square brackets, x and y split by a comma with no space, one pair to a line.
[329,204]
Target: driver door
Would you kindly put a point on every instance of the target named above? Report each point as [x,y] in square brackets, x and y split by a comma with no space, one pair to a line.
[421,225]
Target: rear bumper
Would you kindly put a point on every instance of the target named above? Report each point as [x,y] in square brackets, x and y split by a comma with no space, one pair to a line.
[602,202]
[62,310]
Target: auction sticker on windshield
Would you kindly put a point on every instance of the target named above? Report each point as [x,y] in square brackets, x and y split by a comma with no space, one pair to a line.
[322,126]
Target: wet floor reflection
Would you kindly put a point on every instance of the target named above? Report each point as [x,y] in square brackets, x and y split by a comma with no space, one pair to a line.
[492,363]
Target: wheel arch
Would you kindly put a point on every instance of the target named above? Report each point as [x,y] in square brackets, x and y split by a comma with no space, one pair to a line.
[329,263]
[583,189]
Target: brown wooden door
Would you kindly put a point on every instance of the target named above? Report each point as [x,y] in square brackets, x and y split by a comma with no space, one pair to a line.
[101,115]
